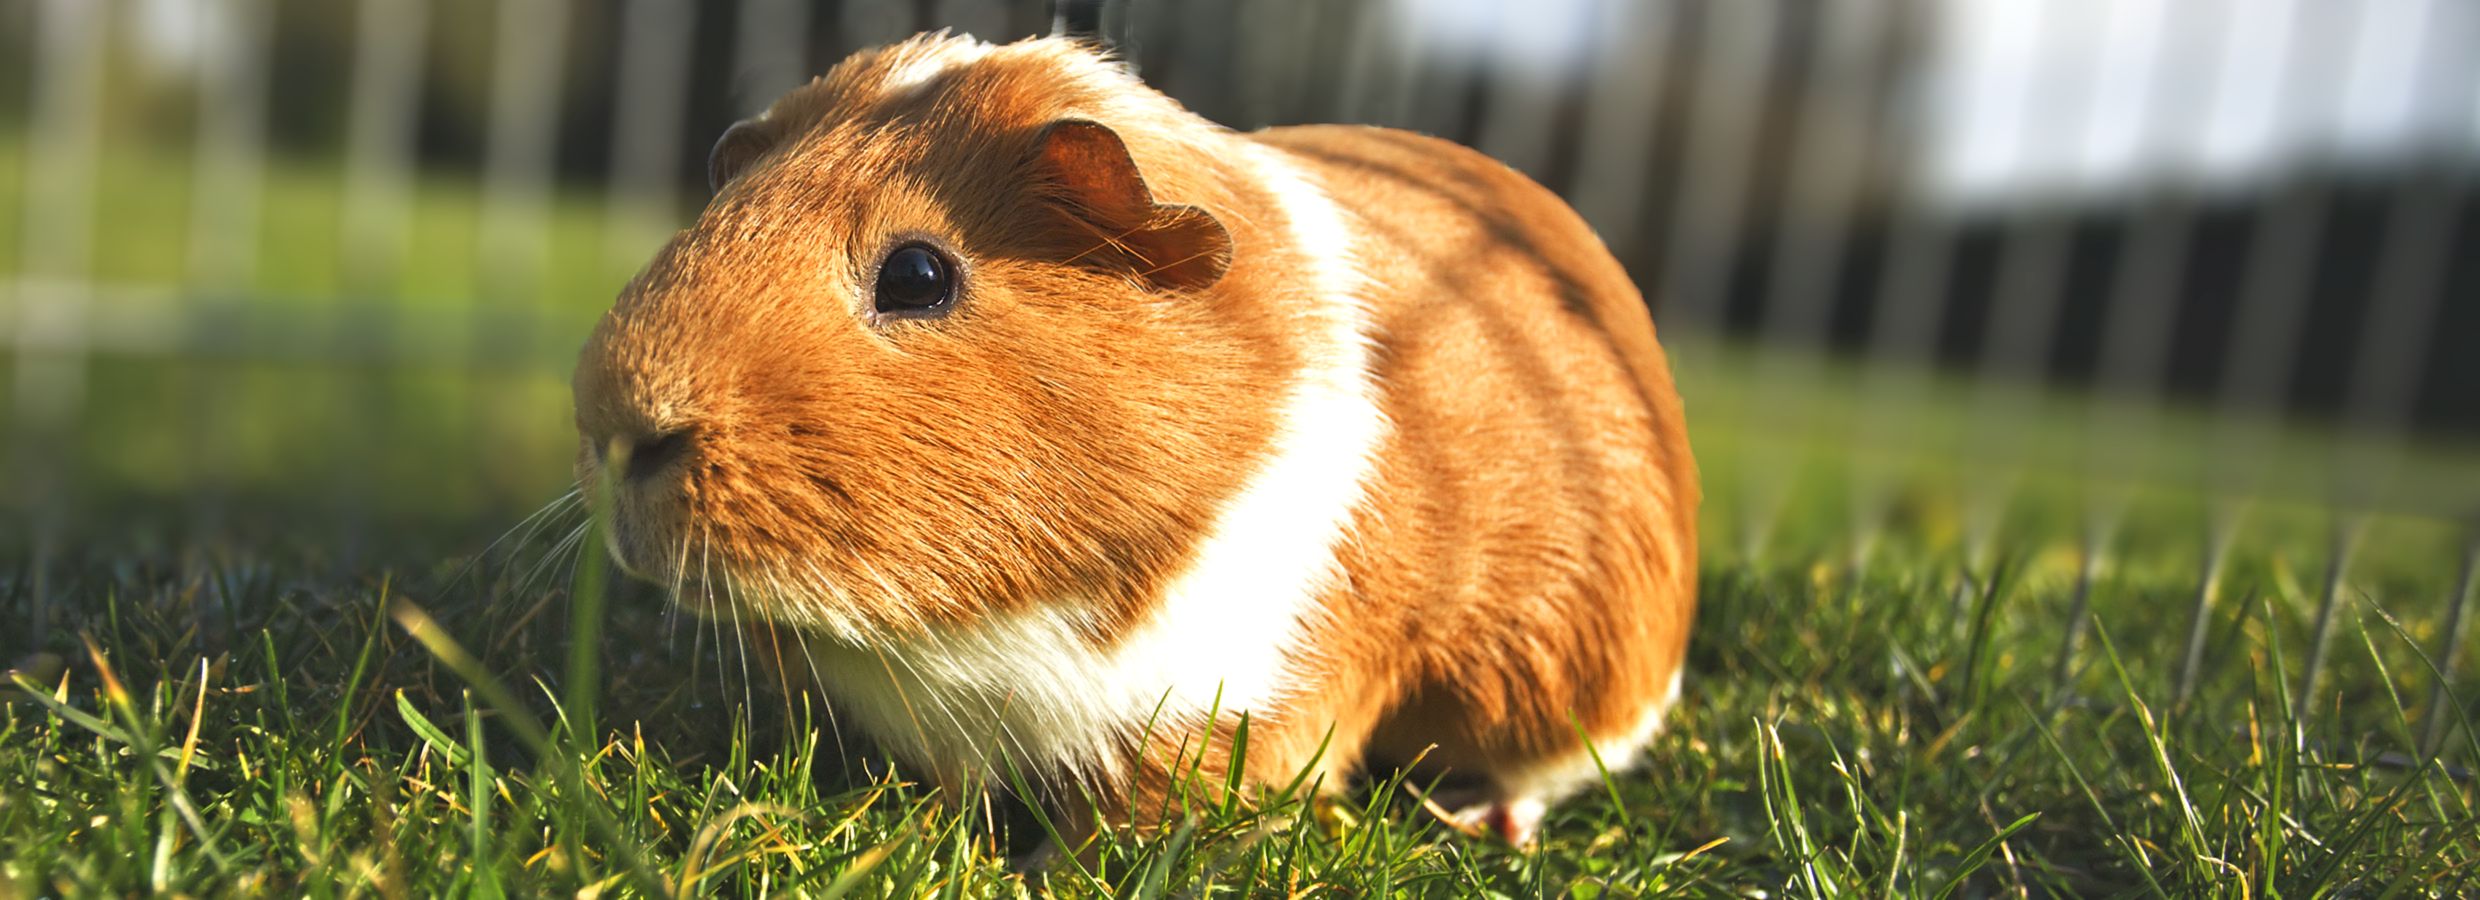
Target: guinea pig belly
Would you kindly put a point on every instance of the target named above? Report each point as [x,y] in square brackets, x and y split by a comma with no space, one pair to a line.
[1033,688]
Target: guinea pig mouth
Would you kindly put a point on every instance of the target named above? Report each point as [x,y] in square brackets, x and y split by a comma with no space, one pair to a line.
[616,546]
[665,552]
[647,544]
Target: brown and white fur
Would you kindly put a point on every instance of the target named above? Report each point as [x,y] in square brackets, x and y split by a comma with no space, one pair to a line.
[1356,432]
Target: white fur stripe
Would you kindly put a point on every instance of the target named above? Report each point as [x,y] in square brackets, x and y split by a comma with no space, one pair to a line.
[1230,622]
[930,59]
[1550,781]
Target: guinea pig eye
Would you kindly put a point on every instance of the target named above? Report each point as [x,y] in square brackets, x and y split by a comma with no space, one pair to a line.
[914,280]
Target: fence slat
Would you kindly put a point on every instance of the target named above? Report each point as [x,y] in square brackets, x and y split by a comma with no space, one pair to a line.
[2449,654]
[1834,150]
[49,299]
[231,150]
[2273,284]
[770,48]
[1523,94]
[1376,81]
[2407,291]
[1622,118]
[529,50]
[649,111]
[379,144]
[1735,72]
[58,224]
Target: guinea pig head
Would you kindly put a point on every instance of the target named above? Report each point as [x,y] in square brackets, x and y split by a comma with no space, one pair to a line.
[928,356]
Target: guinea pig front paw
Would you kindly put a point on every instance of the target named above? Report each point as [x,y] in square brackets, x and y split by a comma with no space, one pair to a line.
[1516,820]
[1038,861]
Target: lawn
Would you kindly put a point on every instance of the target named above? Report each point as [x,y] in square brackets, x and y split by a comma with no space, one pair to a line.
[265,643]
[238,706]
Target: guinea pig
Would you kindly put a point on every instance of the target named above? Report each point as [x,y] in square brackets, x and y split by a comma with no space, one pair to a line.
[1073,435]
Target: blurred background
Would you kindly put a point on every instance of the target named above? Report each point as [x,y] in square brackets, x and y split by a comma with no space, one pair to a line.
[2131,346]
[324,264]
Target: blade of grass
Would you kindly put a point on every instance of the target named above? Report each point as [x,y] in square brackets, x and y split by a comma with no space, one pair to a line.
[478,796]
[429,732]
[2136,858]
[1979,855]
[530,732]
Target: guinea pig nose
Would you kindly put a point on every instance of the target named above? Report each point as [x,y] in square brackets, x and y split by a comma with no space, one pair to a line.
[652,453]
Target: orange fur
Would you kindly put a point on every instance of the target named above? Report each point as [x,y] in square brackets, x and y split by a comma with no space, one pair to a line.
[1522,561]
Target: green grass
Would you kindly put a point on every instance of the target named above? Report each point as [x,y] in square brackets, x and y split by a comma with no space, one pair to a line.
[249,716]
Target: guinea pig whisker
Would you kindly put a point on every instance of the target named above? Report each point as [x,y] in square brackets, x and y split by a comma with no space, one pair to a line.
[671,629]
[524,531]
[576,561]
[740,636]
[706,588]
[544,566]
[566,500]
[1193,257]
[783,676]
[818,690]
[558,544]
[903,697]
[1008,739]
[945,706]
[571,503]
[671,609]
[1114,241]
[570,509]
[575,551]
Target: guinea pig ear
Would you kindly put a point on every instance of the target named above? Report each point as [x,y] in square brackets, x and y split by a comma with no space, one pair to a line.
[739,146]
[1098,186]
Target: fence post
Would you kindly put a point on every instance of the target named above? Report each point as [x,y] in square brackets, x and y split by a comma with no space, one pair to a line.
[650,105]
[386,96]
[51,293]
[1734,73]
[1835,153]
[770,51]
[226,187]
[529,49]
[2346,532]
[1622,120]
[2220,522]
[2450,648]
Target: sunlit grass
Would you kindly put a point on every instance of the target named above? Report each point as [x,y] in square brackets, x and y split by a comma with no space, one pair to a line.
[1851,731]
